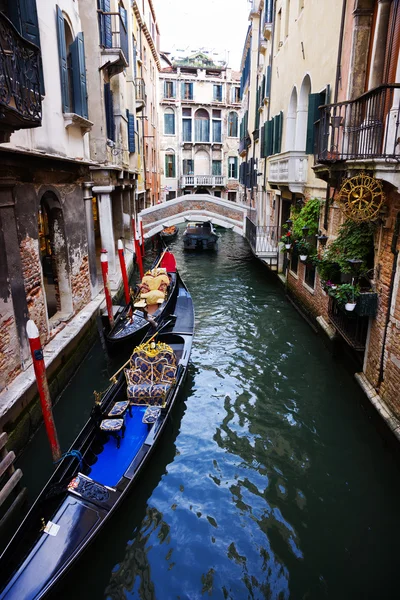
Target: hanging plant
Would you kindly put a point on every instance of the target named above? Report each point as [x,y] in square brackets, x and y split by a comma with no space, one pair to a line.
[306,217]
[355,241]
[346,295]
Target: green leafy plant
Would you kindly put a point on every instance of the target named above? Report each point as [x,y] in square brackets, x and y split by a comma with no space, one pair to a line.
[306,216]
[355,241]
[344,293]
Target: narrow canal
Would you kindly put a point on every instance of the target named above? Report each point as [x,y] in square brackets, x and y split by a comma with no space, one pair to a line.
[271,481]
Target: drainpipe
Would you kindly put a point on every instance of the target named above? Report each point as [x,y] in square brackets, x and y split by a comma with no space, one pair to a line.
[395,252]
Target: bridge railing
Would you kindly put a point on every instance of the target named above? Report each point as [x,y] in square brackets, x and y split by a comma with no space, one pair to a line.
[263,239]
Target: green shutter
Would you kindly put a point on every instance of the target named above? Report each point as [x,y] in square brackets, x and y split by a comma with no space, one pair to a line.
[131,131]
[267,81]
[269,137]
[79,76]
[173,165]
[314,100]
[62,53]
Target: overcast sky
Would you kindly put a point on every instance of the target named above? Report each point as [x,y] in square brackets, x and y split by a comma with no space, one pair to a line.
[218,25]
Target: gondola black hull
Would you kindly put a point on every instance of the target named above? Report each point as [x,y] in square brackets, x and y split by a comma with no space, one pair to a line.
[35,560]
[126,334]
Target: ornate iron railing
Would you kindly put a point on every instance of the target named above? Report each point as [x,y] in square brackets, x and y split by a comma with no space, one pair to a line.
[263,240]
[114,32]
[20,98]
[367,127]
[351,326]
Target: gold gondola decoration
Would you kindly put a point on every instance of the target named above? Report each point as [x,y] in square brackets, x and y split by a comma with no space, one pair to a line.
[361,197]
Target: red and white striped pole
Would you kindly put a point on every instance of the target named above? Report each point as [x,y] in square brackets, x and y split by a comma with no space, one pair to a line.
[142,236]
[107,291]
[43,388]
[138,252]
[123,271]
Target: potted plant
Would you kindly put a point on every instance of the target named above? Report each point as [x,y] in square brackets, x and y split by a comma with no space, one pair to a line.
[286,239]
[346,295]
[303,249]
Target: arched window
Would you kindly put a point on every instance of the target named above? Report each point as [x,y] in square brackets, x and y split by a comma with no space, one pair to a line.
[291,122]
[169,122]
[302,114]
[169,163]
[202,125]
[72,68]
[232,124]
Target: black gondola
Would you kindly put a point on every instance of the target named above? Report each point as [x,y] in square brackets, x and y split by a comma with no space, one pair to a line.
[200,236]
[131,324]
[168,234]
[90,483]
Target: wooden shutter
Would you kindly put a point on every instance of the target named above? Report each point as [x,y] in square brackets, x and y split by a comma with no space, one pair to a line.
[26,21]
[105,32]
[109,109]
[314,101]
[131,131]
[173,165]
[62,53]
[267,81]
[79,76]
[262,142]
[269,137]
[277,133]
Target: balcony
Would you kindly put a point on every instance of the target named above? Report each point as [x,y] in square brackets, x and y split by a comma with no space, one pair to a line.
[244,143]
[352,326]
[113,42]
[20,99]
[289,169]
[264,242]
[140,90]
[202,181]
[361,129]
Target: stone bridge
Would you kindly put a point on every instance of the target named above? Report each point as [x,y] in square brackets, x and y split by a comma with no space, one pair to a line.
[194,207]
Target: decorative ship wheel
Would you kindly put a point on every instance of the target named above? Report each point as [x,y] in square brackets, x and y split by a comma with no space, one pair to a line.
[361,197]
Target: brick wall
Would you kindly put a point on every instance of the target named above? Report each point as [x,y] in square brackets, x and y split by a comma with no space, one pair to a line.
[314,301]
[80,283]
[32,274]
[10,364]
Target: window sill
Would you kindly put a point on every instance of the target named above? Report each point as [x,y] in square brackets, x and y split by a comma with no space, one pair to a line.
[293,274]
[74,120]
[308,288]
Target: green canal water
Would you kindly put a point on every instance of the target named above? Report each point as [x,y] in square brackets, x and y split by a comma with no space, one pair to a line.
[270,482]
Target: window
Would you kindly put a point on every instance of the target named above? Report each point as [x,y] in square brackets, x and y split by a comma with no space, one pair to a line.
[309,275]
[169,122]
[232,124]
[169,89]
[217,126]
[144,56]
[216,167]
[188,168]
[187,91]
[294,259]
[233,167]
[236,95]
[170,165]
[202,125]
[217,92]
[72,69]
[232,196]
[109,110]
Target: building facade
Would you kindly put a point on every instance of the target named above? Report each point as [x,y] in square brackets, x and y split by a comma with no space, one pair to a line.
[319,147]
[199,105]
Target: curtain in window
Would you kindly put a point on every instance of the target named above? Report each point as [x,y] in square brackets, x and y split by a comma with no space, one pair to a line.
[170,165]
[232,124]
[202,129]
[188,166]
[217,131]
[187,130]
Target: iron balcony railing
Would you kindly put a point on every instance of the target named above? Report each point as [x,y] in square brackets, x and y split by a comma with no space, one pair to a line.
[20,98]
[140,88]
[351,326]
[114,31]
[367,127]
[207,180]
[263,239]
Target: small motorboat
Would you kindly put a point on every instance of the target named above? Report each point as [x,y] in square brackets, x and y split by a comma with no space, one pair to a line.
[200,236]
[103,463]
[133,321]
[168,234]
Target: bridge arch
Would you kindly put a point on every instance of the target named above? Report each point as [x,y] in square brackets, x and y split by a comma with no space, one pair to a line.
[194,207]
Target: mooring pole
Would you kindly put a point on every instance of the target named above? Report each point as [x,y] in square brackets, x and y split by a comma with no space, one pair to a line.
[142,236]
[106,283]
[43,388]
[123,271]
[138,251]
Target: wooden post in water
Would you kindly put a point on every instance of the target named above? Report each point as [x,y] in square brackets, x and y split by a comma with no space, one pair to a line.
[123,270]
[43,388]
[142,236]
[138,252]
[107,291]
